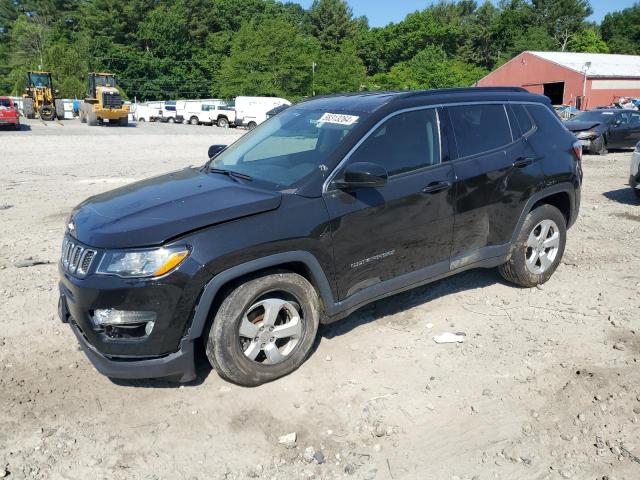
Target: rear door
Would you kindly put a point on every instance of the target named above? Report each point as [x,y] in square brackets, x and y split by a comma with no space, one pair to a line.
[496,172]
[379,234]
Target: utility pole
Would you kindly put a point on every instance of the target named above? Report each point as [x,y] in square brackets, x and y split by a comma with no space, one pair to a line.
[313,79]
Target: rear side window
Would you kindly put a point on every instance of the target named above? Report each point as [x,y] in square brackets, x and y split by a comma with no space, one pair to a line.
[523,118]
[408,141]
[480,128]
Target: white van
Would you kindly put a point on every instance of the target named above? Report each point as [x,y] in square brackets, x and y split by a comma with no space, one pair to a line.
[148,112]
[196,112]
[252,111]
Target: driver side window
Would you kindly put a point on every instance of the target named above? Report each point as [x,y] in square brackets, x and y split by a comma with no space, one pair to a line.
[406,142]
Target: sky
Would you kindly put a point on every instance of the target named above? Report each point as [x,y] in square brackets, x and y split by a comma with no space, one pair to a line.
[382,12]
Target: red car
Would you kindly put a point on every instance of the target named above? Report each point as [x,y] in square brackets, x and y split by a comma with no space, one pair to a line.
[9,113]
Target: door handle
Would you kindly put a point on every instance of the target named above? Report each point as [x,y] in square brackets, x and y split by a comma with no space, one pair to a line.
[523,162]
[436,187]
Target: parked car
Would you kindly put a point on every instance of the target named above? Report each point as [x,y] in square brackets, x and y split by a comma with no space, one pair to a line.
[598,130]
[9,114]
[194,111]
[252,111]
[222,115]
[334,203]
[168,113]
[634,177]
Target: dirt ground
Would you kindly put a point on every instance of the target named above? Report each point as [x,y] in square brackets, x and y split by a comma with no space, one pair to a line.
[546,385]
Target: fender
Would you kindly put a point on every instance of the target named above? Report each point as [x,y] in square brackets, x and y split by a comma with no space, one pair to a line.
[565,187]
[212,288]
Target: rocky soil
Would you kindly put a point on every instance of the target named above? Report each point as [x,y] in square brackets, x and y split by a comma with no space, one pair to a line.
[545,386]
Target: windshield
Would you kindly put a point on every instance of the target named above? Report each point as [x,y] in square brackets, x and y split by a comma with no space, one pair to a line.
[40,79]
[286,149]
[5,103]
[105,81]
[594,116]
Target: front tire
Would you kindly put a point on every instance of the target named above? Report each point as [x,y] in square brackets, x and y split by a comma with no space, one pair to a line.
[599,146]
[252,125]
[194,121]
[264,329]
[539,248]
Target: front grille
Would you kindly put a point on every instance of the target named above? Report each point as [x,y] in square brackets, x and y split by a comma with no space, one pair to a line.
[111,100]
[76,258]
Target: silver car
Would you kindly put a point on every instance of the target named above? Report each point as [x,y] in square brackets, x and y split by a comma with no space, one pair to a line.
[634,177]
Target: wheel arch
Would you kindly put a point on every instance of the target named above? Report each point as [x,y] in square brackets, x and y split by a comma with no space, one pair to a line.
[300,262]
[561,196]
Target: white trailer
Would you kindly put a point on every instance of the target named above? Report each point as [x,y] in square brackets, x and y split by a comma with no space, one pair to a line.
[252,111]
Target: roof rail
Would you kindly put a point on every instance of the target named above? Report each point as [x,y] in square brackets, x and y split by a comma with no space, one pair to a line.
[466,90]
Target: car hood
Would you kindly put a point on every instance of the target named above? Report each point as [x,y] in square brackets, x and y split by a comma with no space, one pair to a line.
[577,126]
[152,211]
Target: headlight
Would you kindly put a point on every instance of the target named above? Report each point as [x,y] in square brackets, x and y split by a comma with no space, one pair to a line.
[586,135]
[142,263]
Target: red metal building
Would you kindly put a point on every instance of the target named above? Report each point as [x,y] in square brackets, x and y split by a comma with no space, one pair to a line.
[584,80]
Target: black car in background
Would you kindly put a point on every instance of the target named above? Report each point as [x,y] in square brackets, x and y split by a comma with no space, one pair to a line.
[332,204]
[598,130]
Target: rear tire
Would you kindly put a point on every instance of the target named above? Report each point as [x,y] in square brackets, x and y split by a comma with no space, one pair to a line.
[124,121]
[223,122]
[92,119]
[598,146]
[194,121]
[538,249]
[171,120]
[637,192]
[28,109]
[59,109]
[264,329]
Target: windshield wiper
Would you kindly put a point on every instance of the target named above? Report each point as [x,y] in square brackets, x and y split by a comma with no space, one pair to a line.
[230,173]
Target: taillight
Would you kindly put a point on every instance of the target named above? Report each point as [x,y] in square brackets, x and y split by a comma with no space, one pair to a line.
[577,149]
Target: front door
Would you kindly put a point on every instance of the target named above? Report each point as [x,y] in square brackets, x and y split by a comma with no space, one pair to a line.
[404,226]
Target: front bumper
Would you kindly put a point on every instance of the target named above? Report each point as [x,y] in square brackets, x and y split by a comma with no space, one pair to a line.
[178,366]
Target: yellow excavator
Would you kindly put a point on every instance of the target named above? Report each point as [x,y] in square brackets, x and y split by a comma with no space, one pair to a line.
[39,97]
[103,102]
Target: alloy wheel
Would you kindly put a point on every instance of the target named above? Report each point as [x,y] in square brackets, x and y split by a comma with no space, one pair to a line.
[270,330]
[542,246]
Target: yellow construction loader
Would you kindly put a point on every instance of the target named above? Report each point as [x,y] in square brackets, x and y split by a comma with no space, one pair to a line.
[39,97]
[103,102]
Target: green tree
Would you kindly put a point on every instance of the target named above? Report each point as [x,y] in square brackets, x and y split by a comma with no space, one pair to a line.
[331,22]
[340,71]
[430,68]
[621,30]
[270,57]
[588,40]
[563,18]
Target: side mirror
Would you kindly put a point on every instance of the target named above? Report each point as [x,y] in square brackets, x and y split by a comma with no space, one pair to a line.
[363,174]
[214,150]
[617,123]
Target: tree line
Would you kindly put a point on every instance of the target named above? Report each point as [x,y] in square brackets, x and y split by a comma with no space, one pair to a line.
[169,49]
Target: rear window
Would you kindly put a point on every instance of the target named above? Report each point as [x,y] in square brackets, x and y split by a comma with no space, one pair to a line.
[480,128]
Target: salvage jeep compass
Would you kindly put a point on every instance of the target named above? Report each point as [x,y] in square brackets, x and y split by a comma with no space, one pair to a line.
[329,205]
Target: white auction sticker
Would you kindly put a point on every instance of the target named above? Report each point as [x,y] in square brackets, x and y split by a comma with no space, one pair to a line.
[338,118]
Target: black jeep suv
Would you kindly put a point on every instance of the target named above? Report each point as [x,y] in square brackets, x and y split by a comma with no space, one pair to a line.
[332,204]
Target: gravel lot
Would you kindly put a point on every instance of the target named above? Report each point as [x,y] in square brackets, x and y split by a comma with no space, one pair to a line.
[546,386]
